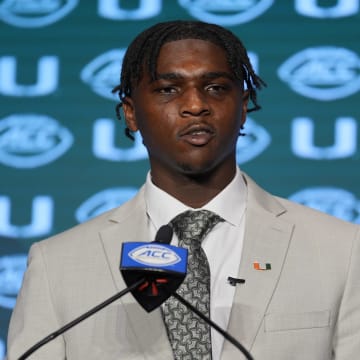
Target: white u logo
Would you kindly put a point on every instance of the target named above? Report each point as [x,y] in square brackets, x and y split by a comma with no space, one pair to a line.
[104,135]
[302,135]
[47,77]
[41,218]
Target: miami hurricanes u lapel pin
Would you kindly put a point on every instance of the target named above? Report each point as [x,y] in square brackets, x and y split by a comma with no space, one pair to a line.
[261,266]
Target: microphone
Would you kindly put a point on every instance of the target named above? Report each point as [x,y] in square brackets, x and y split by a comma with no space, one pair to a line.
[164,234]
[162,265]
[152,272]
[234,281]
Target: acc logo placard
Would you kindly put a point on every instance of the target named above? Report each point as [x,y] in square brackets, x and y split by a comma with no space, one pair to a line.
[334,201]
[12,268]
[256,140]
[154,255]
[323,73]
[226,12]
[103,201]
[103,73]
[32,140]
[34,13]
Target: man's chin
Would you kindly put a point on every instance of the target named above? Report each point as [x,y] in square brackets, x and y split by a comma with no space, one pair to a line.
[196,171]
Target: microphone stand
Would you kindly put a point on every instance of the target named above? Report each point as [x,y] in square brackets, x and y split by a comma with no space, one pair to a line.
[80,318]
[105,303]
[226,335]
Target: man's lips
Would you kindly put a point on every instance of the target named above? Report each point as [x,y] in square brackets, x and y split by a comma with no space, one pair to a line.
[197,134]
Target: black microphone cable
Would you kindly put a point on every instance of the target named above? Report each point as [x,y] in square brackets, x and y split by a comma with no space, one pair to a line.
[224,333]
[82,317]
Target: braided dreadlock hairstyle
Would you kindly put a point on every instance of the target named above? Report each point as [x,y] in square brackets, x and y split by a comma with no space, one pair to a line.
[143,52]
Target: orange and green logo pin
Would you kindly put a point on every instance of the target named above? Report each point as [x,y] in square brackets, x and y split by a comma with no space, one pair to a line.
[262,266]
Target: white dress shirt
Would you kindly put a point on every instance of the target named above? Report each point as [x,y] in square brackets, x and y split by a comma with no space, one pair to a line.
[223,245]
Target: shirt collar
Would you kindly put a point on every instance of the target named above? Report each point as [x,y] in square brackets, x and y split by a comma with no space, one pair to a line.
[230,203]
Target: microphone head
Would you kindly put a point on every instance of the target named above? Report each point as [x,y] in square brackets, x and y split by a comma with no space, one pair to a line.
[164,234]
[162,266]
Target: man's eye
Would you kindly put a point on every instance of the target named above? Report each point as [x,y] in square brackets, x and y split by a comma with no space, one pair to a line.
[216,88]
[167,90]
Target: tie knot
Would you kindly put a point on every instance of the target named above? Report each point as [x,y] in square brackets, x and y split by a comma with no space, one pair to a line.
[192,226]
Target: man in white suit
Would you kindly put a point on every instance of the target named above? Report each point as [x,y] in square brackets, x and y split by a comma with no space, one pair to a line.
[182,87]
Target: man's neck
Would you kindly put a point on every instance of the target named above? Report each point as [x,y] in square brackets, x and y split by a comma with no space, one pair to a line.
[193,191]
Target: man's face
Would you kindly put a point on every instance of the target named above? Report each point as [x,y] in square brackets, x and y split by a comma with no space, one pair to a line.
[191,115]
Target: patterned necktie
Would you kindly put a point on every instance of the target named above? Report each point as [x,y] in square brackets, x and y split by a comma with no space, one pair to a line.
[190,336]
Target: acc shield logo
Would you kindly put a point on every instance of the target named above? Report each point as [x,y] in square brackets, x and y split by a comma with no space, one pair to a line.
[257,139]
[157,255]
[32,140]
[226,12]
[334,201]
[12,268]
[103,73]
[103,201]
[35,13]
[323,73]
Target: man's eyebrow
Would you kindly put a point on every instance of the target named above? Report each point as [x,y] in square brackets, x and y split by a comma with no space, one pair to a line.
[207,76]
[169,76]
[218,74]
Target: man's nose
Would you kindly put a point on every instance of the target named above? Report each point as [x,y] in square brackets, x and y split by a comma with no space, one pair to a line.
[194,103]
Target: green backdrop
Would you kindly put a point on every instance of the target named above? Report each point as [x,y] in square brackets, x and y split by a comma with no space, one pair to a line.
[63,155]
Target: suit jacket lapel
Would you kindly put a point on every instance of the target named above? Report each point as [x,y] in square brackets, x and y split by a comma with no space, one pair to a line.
[126,224]
[129,223]
[266,240]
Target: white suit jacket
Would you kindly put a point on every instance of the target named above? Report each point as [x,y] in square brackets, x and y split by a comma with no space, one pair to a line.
[307,307]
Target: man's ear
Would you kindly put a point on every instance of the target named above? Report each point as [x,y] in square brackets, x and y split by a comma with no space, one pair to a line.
[129,112]
[245,101]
